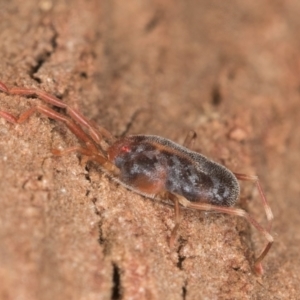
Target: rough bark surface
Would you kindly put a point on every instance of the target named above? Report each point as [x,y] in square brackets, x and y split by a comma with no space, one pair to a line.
[229,71]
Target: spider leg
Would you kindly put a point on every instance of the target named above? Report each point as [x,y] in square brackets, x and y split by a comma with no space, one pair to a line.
[91,141]
[95,132]
[55,116]
[3,87]
[190,139]
[177,210]
[263,198]
[165,195]
[241,213]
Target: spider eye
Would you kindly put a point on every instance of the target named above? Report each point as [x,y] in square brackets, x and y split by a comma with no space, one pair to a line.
[125,149]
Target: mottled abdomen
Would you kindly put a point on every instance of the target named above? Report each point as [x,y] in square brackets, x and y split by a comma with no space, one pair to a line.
[152,164]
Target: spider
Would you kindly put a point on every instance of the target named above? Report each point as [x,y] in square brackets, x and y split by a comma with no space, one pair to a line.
[153,166]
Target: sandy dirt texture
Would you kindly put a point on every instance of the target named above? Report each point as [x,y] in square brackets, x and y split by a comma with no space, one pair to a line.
[227,70]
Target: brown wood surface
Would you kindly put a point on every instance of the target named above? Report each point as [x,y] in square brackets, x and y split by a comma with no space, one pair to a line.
[227,69]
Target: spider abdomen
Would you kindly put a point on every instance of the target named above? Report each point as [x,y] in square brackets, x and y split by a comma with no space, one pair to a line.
[153,164]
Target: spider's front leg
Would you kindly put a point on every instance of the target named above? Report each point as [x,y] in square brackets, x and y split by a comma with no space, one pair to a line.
[96,133]
[91,141]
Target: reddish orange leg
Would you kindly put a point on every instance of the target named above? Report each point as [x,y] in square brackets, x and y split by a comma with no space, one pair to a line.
[190,139]
[265,203]
[177,219]
[90,156]
[241,213]
[96,133]
[164,195]
[267,209]
[56,116]
[92,148]
[3,87]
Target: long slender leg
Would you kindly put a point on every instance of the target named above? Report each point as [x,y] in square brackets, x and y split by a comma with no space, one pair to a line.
[165,195]
[56,116]
[265,203]
[3,87]
[241,213]
[90,156]
[177,219]
[96,133]
[190,139]
[91,151]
